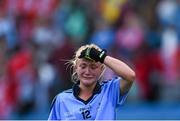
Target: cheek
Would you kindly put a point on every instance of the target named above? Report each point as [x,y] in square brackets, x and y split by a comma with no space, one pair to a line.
[79,71]
[97,72]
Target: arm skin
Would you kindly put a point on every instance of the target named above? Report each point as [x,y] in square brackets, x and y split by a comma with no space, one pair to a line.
[122,70]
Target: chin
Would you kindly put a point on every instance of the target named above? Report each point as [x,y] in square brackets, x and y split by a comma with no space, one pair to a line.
[88,82]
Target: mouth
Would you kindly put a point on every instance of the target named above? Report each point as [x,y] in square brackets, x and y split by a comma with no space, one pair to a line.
[85,77]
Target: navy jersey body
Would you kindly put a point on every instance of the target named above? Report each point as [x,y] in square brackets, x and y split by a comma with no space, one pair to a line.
[100,106]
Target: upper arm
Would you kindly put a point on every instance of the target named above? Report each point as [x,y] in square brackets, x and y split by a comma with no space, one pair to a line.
[125,86]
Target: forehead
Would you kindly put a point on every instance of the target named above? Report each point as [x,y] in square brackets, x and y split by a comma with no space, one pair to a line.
[88,62]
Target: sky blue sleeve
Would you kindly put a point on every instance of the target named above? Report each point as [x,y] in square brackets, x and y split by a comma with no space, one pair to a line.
[114,91]
[55,109]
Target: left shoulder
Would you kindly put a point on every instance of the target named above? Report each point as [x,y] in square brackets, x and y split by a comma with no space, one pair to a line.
[116,78]
[110,80]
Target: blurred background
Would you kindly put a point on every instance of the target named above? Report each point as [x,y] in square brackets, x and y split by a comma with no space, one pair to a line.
[37,37]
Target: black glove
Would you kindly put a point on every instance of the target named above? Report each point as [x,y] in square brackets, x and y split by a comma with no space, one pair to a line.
[93,54]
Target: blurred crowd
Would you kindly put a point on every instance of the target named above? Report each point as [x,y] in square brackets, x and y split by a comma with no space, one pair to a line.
[38,37]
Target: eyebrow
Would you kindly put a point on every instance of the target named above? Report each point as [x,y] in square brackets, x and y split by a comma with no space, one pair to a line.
[88,63]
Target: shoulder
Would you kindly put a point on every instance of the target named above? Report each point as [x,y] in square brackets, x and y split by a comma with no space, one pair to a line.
[111,80]
[64,93]
[61,95]
[68,91]
[111,83]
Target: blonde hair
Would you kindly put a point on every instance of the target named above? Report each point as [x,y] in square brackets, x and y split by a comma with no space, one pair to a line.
[73,62]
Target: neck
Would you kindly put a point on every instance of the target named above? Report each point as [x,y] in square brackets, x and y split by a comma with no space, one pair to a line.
[86,92]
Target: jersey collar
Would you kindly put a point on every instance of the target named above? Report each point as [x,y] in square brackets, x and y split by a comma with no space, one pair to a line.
[76,91]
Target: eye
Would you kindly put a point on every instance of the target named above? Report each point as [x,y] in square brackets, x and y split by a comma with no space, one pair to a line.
[94,66]
[83,66]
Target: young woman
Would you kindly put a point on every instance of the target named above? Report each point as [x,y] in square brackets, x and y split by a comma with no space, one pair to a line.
[92,98]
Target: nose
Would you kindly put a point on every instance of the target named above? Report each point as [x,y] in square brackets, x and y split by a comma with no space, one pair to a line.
[88,70]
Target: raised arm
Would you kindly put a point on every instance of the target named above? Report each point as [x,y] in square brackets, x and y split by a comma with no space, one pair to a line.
[122,70]
[118,66]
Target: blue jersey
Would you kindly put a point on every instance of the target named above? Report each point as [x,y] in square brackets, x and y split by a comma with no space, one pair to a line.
[100,106]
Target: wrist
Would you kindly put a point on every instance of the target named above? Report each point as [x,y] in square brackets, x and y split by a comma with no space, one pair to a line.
[102,55]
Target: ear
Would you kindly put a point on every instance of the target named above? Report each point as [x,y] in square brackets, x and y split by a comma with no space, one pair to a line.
[102,68]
